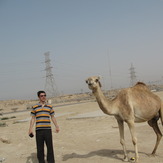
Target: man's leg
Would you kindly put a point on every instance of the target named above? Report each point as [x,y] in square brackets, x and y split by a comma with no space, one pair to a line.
[49,144]
[40,146]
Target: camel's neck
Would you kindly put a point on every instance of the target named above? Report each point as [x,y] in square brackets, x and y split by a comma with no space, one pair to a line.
[104,103]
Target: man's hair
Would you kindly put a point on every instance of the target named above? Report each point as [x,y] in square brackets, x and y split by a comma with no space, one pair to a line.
[39,92]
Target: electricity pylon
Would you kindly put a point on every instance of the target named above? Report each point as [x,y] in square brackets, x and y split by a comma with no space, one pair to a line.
[133,79]
[50,85]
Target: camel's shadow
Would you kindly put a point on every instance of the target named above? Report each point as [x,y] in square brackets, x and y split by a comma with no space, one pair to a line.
[116,154]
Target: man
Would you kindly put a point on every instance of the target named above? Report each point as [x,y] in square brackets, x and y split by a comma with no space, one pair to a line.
[41,114]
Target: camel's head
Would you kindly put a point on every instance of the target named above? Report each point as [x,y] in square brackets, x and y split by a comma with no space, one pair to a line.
[93,82]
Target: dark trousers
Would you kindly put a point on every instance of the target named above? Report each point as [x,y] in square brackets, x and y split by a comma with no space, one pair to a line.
[44,136]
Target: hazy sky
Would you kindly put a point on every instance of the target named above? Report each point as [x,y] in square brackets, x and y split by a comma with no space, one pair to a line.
[84,38]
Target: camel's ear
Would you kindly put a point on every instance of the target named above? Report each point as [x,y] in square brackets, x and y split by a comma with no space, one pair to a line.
[99,83]
[99,77]
[86,81]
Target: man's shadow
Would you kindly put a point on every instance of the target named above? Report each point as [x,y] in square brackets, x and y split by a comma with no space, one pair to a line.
[103,153]
[32,158]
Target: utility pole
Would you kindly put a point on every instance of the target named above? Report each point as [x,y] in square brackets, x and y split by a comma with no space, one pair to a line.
[132,75]
[50,86]
[110,72]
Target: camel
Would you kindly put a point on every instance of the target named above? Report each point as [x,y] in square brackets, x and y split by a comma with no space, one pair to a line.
[134,104]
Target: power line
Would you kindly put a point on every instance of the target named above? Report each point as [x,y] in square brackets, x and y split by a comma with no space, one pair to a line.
[110,72]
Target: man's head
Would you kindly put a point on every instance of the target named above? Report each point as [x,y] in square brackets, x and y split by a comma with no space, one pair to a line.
[42,96]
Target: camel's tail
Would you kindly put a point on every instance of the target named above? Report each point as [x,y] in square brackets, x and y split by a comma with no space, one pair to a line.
[161,113]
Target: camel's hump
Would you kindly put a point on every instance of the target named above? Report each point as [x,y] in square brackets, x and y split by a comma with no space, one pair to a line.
[141,83]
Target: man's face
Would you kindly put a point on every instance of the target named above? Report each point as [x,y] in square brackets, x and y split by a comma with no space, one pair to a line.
[42,97]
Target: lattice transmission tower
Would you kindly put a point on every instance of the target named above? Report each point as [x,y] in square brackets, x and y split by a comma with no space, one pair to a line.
[50,85]
[133,78]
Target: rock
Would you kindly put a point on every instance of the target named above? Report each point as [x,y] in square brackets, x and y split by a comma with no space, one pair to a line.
[2,159]
[5,140]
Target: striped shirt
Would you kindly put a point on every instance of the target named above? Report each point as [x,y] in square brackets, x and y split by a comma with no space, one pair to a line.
[42,114]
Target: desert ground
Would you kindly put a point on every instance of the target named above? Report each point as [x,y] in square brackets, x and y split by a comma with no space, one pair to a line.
[86,136]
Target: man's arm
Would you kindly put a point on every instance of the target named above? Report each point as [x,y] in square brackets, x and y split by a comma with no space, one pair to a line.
[55,123]
[32,122]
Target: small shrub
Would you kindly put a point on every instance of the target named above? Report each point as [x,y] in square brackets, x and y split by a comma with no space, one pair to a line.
[12,117]
[3,124]
[4,118]
[14,109]
[29,108]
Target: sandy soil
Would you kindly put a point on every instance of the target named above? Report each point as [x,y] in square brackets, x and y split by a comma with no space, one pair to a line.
[81,140]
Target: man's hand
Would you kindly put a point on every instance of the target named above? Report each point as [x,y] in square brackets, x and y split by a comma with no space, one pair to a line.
[31,135]
[55,123]
[57,129]
[32,121]
[30,132]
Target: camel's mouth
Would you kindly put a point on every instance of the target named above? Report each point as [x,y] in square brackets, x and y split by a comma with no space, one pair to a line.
[90,84]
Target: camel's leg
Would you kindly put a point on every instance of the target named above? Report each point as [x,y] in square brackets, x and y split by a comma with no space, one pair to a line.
[122,141]
[154,125]
[131,126]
